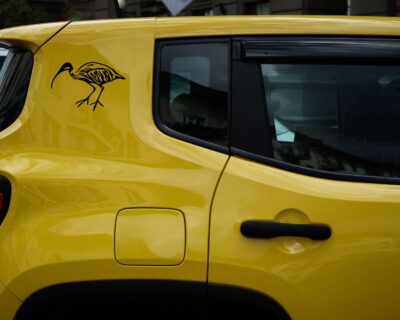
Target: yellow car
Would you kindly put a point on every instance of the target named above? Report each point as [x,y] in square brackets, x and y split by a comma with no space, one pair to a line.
[185,165]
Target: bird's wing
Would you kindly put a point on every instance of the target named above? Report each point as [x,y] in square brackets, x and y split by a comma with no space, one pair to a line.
[99,71]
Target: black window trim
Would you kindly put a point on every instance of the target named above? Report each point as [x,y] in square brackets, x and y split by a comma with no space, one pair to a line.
[237,49]
[292,49]
[5,44]
[312,172]
[156,92]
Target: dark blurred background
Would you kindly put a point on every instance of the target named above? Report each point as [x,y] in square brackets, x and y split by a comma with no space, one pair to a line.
[20,12]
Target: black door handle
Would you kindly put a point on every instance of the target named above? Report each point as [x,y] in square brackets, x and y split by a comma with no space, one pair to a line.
[264,229]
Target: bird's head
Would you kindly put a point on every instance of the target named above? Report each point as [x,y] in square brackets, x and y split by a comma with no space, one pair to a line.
[65,67]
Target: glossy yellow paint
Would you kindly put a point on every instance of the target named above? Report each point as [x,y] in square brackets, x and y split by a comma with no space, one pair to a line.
[285,25]
[72,169]
[353,275]
[31,37]
[150,236]
[9,304]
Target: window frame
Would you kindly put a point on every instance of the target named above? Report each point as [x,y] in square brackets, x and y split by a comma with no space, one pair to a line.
[159,45]
[244,146]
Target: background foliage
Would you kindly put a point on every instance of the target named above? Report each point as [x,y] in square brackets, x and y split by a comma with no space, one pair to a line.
[19,12]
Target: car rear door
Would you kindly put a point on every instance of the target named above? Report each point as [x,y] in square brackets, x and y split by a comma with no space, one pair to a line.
[308,207]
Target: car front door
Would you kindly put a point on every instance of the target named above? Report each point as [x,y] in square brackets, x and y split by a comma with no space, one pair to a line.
[307,211]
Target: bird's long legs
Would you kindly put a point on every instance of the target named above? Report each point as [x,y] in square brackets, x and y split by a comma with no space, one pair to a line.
[87,99]
[94,104]
[80,102]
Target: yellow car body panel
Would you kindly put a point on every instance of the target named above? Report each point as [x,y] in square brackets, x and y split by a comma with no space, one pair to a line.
[270,25]
[73,169]
[311,279]
[150,237]
[31,37]
[9,304]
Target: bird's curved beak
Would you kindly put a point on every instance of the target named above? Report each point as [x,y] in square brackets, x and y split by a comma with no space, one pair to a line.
[59,71]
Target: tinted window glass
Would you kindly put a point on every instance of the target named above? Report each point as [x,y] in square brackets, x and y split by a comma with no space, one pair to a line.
[15,70]
[3,55]
[338,118]
[194,90]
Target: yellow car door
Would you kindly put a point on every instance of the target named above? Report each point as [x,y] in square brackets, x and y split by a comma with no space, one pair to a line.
[306,215]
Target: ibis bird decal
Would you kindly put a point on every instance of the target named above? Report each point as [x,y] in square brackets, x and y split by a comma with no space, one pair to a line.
[96,75]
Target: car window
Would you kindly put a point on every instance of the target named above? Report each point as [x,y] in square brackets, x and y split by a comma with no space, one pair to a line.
[15,71]
[337,118]
[194,90]
[3,55]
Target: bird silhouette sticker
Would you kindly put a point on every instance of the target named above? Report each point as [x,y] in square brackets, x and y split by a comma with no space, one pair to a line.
[96,75]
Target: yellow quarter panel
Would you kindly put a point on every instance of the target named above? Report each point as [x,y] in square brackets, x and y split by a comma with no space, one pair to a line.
[150,237]
[73,169]
[9,304]
[31,37]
